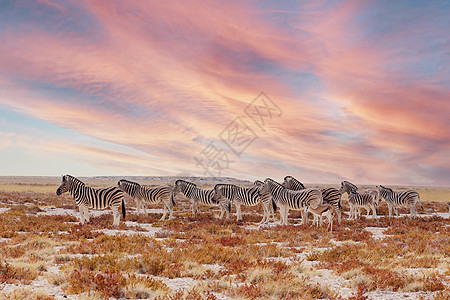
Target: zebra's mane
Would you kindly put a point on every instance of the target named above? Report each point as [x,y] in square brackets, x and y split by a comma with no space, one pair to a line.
[350,184]
[258,182]
[386,188]
[184,181]
[224,185]
[278,184]
[296,180]
[286,177]
[130,182]
[73,179]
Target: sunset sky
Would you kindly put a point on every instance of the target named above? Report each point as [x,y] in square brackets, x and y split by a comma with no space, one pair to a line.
[321,90]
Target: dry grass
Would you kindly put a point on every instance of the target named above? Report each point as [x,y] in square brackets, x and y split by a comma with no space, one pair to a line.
[207,258]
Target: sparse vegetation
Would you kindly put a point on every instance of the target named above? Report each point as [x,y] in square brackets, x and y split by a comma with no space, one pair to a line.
[203,257]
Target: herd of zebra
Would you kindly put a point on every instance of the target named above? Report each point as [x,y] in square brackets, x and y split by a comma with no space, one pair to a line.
[291,194]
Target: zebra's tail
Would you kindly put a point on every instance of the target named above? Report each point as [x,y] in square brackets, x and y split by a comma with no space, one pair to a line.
[123,208]
[172,198]
[229,207]
[420,202]
[274,205]
[339,204]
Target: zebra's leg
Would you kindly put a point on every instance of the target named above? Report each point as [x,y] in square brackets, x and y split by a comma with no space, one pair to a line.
[390,209]
[86,214]
[358,212]
[165,212]
[222,211]
[286,213]
[396,211]
[83,214]
[338,211]
[317,220]
[272,213]
[350,214]
[304,214]
[197,208]
[282,213]
[116,215]
[170,207]
[413,212]
[265,218]
[330,217]
[374,210]
[80,209]
[238,211]
[192,207]
[138,206]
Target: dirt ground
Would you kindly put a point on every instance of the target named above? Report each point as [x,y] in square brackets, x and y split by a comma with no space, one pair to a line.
[47,254]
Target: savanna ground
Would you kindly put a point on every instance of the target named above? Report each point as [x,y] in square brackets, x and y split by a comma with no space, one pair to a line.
[46,254]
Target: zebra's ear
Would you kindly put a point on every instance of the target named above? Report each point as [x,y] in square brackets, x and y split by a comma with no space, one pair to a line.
[64,177]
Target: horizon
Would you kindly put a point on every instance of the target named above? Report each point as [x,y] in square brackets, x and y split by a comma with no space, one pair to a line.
[324,91]
[147,177]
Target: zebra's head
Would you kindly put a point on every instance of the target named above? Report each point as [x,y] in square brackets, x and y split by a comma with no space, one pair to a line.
[287,182]
[270,184]
[122,183]
[258,183]
[384,191]
[64,186]
[218,192]
[178,187]
[347,187]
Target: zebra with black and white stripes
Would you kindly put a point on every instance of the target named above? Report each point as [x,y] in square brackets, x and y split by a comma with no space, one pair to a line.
[203,196]
[397,199]
[87,197]
[152,195]
[357,200]
[240,196]
[289,199]
[330,195]
[267,202]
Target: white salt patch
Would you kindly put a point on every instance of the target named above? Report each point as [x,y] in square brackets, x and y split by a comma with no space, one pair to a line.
[3,209]
[377,232]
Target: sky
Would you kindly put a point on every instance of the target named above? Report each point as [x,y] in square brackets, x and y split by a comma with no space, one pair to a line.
[323,91]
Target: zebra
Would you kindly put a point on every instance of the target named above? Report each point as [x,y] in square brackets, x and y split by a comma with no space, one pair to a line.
[143,194]
[396,199]
[356,200]
[374,192]
[266,200]
[330,195]
[87,197]
[241,196]
[205,197]
[296,200]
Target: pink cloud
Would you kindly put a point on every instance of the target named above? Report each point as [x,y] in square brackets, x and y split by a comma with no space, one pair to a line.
[193,68]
